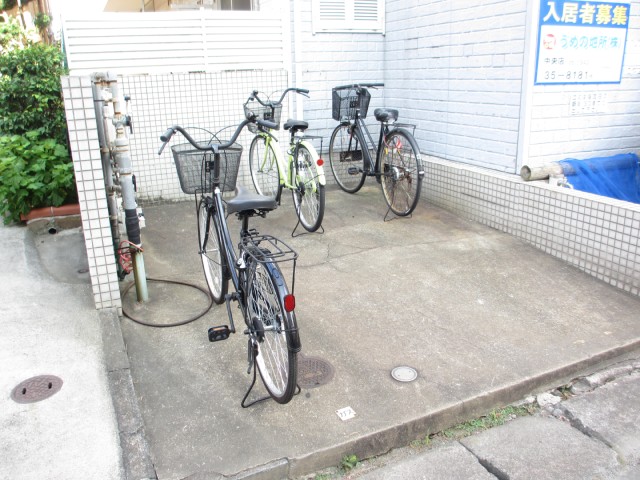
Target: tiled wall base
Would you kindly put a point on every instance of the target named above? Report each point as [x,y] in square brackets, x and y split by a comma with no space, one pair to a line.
[596,234]
[599,235]
[90,183]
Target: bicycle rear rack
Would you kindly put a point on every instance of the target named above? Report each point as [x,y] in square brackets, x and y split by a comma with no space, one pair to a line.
[276,250]
[406,125]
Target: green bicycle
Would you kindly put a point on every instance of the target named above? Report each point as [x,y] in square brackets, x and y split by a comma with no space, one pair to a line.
[302,172]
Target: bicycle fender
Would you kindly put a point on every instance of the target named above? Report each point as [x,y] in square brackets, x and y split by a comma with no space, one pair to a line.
[314,156]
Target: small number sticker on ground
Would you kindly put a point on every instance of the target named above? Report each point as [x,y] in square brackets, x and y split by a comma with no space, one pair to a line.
[346,413]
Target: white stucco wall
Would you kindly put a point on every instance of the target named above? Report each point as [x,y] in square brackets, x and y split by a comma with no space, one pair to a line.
[463,72]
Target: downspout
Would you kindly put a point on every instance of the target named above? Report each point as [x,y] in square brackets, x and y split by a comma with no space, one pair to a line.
[526,87]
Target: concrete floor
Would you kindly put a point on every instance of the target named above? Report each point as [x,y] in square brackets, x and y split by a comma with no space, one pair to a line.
[484,318]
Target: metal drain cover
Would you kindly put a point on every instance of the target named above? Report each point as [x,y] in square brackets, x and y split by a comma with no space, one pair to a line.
[35,389]
[404,374]
[313,372]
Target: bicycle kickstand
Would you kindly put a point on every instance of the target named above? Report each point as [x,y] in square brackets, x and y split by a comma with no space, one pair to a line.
[388,218]
[294,234]
[252,352]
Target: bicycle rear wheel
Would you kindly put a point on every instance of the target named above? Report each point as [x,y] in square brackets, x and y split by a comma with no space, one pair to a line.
[275,329]
[401,177]
[308,195]
[212,252]
[346,159]
[264,167]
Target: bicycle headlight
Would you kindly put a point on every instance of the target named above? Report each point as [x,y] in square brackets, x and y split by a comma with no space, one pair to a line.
[253,128]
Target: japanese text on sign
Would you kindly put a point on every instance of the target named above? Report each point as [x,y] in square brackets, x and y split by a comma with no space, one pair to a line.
[581,41]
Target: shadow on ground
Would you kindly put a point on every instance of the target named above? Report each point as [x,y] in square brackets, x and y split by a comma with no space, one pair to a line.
[484,319]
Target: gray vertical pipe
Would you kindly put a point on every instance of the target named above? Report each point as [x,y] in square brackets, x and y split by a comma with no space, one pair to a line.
[99,83]
[125,177]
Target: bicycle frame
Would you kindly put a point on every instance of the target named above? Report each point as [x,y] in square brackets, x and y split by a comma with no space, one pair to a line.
[360,129]
[238,275]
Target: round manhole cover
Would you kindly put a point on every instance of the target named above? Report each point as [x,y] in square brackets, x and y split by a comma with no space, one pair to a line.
[35,389]
[313,372]
[404,374]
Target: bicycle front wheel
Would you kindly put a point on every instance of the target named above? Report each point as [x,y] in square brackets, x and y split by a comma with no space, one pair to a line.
[275,329]
[401,170]
[346,159]
[264,167]
[212,252]
[308,195]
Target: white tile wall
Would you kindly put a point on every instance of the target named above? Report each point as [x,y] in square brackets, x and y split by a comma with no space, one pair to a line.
[212,101]
[87,164]
[596,234]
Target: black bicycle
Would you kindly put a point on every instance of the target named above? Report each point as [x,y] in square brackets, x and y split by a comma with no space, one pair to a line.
[206,169]
[397,166]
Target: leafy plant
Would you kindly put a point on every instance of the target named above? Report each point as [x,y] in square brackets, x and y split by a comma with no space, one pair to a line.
[12,36]
[493,419]
[30,92]
[35,166]
[421,442]
[34,172]
[348,462]
[42,20]
[8,4]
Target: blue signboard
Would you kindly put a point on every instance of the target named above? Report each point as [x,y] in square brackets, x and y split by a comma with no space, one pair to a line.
[581,41]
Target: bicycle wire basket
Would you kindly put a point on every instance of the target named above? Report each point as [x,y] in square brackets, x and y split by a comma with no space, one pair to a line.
[195,168]
[270,113]
[347,101]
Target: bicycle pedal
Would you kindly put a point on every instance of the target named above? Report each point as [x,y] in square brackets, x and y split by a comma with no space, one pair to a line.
[353,171]
[219,333]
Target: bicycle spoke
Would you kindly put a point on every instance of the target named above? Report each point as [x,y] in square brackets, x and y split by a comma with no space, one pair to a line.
[264,167]
[401,180]
[308,195]
[273,355]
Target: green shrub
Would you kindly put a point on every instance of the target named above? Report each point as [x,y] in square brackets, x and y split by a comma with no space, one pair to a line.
[30,92]
[12,36]
[35,167]
[34,172]
[42,20]
[8,4]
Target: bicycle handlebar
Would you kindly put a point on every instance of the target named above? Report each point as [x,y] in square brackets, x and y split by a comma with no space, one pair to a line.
[214,147]
[359,85]
[301,91]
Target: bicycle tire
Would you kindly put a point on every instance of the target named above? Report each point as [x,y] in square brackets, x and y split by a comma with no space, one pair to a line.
[344,154]
[263,167]
[308,194]
[275,329]
[401,169]
[212,252]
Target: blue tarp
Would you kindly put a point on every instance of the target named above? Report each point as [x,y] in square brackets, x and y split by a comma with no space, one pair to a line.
[615,177]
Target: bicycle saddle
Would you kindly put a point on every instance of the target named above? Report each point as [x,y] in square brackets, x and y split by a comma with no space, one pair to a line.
[386,114]
[245,200]
[295,125]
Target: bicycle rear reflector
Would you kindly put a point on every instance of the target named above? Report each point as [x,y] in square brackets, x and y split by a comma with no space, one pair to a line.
[289,303]
[320,162]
